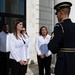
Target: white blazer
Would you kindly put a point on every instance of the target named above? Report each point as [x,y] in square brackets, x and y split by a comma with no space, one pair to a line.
[41,45]
[18,49]
[27,46]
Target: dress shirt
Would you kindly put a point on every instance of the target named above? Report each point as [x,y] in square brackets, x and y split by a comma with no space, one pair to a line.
[4,42]
[18,48]
[27,46]
[41,45]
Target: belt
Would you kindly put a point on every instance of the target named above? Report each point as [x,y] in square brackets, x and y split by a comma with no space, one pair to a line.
[67,49]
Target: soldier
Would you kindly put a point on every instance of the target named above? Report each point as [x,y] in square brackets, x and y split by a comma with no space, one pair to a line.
[63,40]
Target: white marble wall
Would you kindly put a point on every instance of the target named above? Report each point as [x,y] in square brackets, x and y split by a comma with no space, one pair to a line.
[32,24]
[46,14]
[72,14]
[39,13]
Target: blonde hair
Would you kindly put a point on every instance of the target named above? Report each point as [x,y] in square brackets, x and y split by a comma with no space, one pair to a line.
[66,10]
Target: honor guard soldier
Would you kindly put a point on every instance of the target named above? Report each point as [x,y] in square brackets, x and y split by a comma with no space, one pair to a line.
[63,40]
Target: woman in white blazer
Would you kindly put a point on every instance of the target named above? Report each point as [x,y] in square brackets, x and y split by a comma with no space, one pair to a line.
[43,54]
[18,49]
[27,45]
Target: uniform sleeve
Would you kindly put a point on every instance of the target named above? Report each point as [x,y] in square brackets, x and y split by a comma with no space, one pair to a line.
[12,49]
[49,52]
[0,38]
[37,47]
[28,49]
[53,44]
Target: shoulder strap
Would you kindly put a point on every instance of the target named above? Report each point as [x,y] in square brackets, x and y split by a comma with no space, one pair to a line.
[61,27]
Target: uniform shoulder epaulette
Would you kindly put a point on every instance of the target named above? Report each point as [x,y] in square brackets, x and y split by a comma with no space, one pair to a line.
[57,25]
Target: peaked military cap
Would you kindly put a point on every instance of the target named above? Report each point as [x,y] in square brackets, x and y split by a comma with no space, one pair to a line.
[62,5]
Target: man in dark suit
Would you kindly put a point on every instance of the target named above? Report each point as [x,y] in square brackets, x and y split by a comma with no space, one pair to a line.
[4,50]
[63,40]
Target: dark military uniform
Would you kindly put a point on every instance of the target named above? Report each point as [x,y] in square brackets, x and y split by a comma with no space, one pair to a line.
[63,43]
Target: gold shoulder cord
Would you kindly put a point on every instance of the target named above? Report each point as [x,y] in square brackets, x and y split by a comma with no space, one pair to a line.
[52,34]
[62,28]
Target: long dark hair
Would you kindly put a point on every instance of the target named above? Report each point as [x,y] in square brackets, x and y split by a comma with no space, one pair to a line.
[40,31]
[15,27]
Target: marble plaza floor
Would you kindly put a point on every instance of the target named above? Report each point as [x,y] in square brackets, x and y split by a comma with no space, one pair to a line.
[33,70]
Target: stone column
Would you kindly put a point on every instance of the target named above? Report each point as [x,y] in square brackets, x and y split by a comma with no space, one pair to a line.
[32,22]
